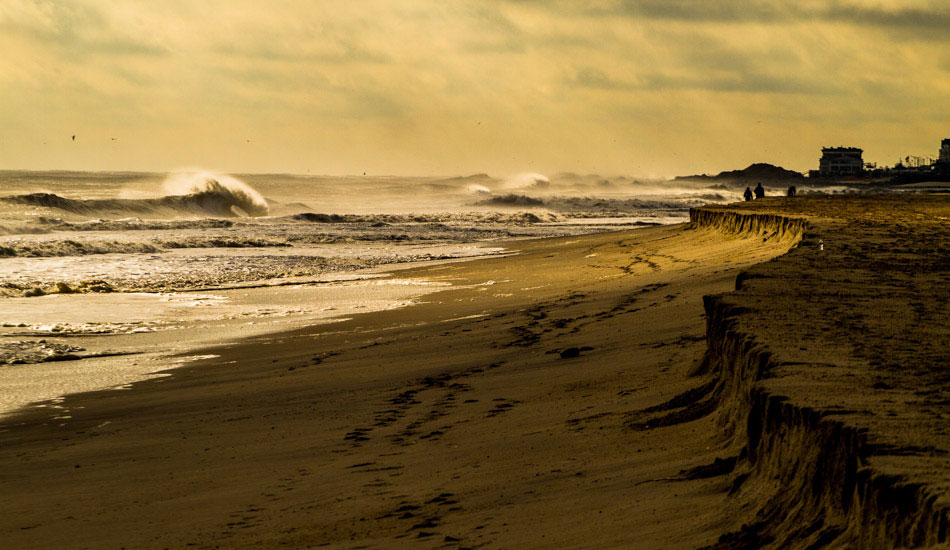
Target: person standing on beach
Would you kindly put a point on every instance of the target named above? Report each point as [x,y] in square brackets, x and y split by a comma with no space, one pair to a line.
[759,191]
[747,194]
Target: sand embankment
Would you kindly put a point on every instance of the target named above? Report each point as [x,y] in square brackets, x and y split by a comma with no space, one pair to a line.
[830,368]
[800,413]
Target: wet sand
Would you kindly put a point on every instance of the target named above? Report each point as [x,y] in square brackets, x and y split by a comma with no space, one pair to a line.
[457,422]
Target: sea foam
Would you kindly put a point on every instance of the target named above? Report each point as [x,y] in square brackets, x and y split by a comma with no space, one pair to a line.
[218,192]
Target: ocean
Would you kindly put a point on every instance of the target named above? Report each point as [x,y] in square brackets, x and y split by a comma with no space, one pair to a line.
[107,278]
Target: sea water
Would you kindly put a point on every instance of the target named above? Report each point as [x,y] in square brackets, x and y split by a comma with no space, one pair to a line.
[106,278]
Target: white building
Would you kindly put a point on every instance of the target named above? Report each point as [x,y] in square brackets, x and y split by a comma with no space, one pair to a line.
[839,161]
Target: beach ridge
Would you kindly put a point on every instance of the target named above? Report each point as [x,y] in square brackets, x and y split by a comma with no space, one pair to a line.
[816,469]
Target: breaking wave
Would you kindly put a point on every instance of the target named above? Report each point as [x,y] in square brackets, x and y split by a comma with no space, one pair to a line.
[581,207]
[476,189]
[21,229]
[199,193]
[48,248]
[527,181]
[449,218]
[512,200]
[127,224]
[218,192]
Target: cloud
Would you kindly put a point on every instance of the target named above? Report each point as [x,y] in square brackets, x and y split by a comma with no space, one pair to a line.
[73,28]
[756,83]
[932,21]
[925,16]
[593,78]
[343,51]
[455,86]
[709,11]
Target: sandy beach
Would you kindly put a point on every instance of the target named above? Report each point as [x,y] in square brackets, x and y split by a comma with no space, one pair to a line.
[618,274]
[727,383]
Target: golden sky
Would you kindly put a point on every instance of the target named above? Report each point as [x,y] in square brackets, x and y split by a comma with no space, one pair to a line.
[638,87]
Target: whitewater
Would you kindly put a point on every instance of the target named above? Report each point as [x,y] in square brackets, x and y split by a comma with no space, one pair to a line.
[109,278]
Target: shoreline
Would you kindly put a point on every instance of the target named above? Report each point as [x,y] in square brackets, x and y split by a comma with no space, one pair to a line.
[99,368]
[456,423]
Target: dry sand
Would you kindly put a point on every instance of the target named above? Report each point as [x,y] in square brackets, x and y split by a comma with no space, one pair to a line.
[832,375]
[456,423]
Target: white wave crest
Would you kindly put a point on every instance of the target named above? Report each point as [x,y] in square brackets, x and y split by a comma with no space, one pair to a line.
[527,181]
[476,189]
[232,193]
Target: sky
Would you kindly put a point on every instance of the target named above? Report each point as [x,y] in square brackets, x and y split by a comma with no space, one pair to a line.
[649,88]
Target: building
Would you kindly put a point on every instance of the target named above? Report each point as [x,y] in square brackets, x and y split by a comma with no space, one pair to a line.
[841,161]
[942,166]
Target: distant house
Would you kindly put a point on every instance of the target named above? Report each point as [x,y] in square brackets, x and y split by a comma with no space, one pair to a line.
[841,161]
[945,151]
[942,166]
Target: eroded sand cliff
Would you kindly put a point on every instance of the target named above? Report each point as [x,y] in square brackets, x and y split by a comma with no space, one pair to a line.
[830,373]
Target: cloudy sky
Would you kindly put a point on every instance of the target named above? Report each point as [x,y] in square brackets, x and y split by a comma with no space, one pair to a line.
[638,87]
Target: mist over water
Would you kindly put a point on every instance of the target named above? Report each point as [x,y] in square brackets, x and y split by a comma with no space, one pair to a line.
[528,181]
[233,193]
[51,222]
[98,264]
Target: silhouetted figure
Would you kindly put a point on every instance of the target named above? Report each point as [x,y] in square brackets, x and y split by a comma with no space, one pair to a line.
[792,191]
[747,194]
[759,191]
